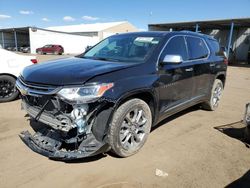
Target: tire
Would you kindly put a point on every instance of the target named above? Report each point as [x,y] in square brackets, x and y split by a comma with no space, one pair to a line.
[39,52]
[56,53]
[215,96]
[247,134]
[130,127]
[8,91]
[246,121]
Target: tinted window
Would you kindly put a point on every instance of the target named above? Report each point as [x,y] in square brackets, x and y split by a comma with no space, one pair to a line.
[197,48]
[124,48]
[176,46]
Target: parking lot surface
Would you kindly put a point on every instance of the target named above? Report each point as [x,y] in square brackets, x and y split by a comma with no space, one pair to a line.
[189,147]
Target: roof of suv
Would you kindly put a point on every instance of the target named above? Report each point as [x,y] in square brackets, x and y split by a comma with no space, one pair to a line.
[165,33]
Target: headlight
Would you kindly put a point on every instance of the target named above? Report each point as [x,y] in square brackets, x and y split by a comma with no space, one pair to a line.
[84,94]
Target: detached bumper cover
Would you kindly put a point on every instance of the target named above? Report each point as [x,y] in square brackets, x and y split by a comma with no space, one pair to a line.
[49,146]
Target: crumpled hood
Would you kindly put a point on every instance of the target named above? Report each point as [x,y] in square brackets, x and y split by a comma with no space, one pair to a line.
[69,71]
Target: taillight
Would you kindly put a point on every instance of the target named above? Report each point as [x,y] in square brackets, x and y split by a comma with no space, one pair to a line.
[33,61]
[226,61]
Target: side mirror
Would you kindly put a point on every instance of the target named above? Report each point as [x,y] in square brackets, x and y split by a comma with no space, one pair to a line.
[172,59]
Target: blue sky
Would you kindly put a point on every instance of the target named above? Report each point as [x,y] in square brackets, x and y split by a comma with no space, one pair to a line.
[45,13]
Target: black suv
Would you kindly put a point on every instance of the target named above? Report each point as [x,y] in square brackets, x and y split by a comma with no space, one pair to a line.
[110,96]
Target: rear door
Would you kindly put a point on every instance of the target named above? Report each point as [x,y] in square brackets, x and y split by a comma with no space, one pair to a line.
[199,56]
[175,80]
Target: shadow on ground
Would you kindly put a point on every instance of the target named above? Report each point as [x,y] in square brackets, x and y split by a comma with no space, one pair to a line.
[235,130]
[243,181]
[175,116]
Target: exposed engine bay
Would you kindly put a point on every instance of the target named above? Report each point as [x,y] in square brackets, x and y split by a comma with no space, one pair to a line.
[69,131]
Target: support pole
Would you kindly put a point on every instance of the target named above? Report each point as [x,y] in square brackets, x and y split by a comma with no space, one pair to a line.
[197,28]
[15,39]
[3,40]
[230,38]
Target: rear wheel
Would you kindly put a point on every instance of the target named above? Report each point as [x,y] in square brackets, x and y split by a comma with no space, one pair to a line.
[8,91]
[215,96]
[130,127]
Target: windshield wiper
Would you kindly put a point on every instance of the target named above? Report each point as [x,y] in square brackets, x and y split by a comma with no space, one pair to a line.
[100,58]
[104,59]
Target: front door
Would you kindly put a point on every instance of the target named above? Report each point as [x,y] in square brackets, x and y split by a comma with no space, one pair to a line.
[175,80]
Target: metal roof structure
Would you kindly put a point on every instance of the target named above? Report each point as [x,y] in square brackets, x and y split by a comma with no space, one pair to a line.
[222,24]
[96,27]
[206,24]
[20,29]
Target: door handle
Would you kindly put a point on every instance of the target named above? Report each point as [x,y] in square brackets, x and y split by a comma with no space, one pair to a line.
[189,69]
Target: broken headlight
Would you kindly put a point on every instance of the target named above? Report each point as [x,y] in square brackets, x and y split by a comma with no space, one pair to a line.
[84,94]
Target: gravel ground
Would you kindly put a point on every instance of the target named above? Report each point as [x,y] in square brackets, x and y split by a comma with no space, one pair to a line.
[188,147]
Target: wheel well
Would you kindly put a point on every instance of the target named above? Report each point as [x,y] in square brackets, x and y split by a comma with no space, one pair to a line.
[222,78]
[145,96]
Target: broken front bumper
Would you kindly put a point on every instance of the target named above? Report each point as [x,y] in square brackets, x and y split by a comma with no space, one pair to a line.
[49,144]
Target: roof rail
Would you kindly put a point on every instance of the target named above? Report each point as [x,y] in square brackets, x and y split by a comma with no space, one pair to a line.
[188,31]
[197,33]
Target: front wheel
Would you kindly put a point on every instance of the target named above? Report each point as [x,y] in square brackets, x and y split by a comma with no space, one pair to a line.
[130,127]
[8,92]
[215,96]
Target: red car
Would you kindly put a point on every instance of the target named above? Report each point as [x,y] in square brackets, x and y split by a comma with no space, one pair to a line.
[50,49]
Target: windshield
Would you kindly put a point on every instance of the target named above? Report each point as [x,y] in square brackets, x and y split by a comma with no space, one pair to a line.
[123,48]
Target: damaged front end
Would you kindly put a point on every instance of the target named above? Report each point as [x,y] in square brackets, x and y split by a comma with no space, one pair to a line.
[70,129]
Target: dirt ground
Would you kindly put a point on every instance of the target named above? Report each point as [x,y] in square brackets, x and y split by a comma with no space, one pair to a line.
[188,147]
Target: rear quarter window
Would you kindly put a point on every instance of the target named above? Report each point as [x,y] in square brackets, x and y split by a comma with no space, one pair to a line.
[197,48]
[216,48]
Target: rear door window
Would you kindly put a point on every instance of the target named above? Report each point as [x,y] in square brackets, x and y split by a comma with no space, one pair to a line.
[176,46]
[197,48]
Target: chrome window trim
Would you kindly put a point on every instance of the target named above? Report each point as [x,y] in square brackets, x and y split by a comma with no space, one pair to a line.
[209,52]
[35,86]
[184,36]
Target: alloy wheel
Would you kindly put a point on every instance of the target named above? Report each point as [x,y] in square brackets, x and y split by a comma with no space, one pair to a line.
[7,88]
[217,94]
[133,129]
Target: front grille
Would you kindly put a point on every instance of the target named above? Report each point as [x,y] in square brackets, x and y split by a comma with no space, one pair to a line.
[35,89]
[54,105]
[56,120]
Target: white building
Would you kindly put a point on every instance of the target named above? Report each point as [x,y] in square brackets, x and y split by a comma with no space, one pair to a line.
[74,38]
[100,30]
